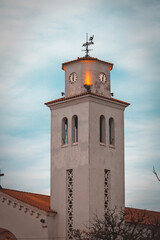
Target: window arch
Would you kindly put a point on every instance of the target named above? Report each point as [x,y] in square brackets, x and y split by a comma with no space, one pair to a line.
[6,234]
[74,129]
[111,131]
[64,131]
[102,136]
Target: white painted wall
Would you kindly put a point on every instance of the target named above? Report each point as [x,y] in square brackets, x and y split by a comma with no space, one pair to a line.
[88,159]
[72,156]
[24,224]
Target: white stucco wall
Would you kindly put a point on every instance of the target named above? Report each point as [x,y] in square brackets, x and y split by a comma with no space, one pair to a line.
[25,224]
[104,156]
[88,159]
[70,156]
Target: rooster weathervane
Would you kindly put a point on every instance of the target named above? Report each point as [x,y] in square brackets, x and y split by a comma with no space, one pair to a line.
[87,43]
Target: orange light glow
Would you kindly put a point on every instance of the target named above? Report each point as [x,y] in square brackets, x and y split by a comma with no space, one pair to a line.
[88,61]
[88,80]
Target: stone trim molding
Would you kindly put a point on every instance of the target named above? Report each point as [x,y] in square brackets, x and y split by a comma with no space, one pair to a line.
[20,206]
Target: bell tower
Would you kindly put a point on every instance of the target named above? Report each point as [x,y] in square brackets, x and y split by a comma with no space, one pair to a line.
[87,146]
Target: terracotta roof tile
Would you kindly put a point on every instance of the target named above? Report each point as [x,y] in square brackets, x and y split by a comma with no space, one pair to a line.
[142,216]
[43,202]
[86,93]
[36,200]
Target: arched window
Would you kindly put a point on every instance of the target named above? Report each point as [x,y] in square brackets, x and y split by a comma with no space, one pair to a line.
[6,234]
[102,136]
[64,131]
[74,129]
[111,131]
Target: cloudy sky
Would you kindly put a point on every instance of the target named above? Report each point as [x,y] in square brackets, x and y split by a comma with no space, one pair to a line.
[36,36]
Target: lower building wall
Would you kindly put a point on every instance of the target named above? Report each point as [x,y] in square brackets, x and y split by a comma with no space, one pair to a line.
[25,223]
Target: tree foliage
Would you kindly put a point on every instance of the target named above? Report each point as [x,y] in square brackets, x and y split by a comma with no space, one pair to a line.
[124,225]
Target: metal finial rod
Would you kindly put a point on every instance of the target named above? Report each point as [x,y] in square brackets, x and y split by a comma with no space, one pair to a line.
[1,175]
[87,43]
[87,51]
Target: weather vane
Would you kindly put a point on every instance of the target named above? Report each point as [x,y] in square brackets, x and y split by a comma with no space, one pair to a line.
[87,43]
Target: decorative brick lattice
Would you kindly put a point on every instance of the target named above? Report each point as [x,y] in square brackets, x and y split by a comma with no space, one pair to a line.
[69,203]
[106,190]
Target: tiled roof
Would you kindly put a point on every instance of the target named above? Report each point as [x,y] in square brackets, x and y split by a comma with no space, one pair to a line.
[86,93]
[43,203]
[142,216]
[36,200]
[86,59]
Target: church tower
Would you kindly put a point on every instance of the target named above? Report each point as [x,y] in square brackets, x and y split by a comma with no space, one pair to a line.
[87,146]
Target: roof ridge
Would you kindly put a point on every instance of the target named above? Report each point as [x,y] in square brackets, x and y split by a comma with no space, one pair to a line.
[86,59]
[138,209]
[39,201]
[1,190]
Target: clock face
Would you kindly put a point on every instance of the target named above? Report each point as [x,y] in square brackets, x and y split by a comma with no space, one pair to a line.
[73,77]
[102,78]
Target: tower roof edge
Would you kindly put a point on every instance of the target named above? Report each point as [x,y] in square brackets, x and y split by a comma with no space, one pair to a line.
[86,59]
[48,104]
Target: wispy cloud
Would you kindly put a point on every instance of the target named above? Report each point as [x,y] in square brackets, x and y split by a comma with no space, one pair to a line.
[25,160]
[36,37]
[142,153]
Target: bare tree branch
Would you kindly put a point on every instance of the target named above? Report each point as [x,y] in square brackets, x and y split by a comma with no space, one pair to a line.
[154,171]
[128,225]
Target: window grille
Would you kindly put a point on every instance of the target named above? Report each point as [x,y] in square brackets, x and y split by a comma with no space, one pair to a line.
[69,203]
[106,191]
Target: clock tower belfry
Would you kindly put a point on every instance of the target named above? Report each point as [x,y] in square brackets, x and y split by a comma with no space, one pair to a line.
[87,71]
[87,146]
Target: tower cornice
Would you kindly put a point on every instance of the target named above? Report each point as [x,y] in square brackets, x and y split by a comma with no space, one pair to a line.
[86,59]
[83,96]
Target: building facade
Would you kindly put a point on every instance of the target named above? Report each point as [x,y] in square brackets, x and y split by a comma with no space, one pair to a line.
[87,146]
[87,159]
